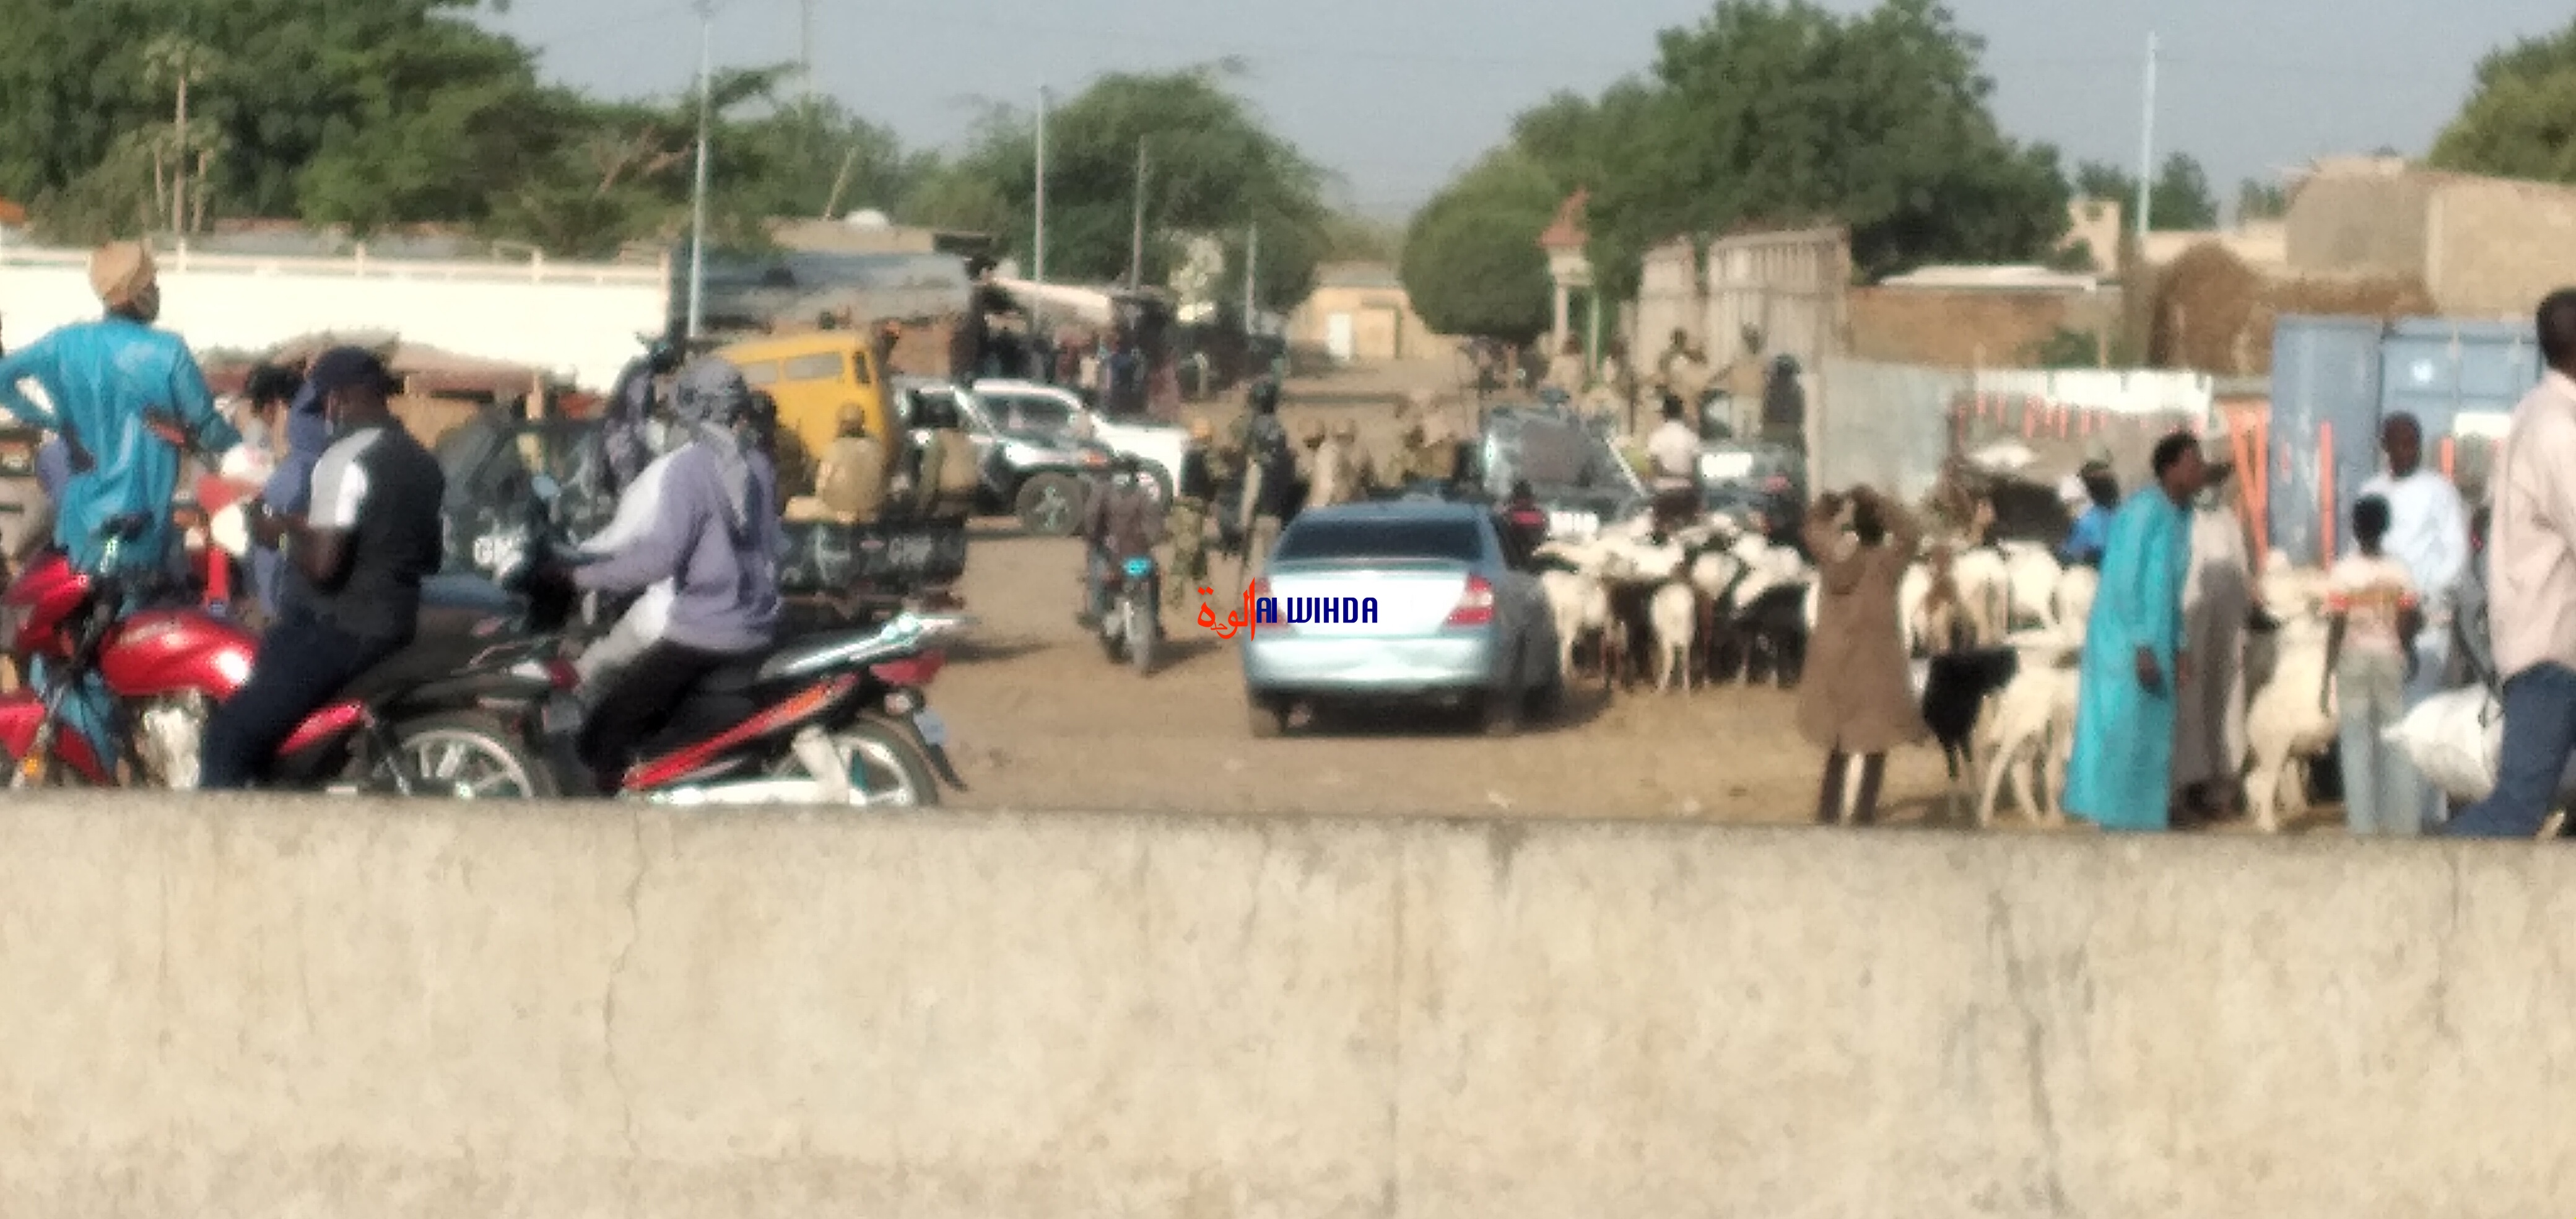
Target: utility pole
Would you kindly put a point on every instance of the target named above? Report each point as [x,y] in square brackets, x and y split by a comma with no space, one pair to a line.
[2147,149]
[179,150]
[1136,243]
[805,54]
[1037,256]
[698,193]
[1251,269]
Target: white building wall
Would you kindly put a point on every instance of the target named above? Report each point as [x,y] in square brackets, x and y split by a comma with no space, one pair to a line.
[579,320]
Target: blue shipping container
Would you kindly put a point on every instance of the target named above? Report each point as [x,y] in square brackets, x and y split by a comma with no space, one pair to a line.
[2325,373]
[2437,369]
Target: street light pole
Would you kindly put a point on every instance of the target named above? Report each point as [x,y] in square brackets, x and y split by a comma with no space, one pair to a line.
[698,193]
[1038,256]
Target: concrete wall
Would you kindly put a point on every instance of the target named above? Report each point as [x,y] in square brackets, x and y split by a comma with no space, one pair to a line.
[578,320]
[2359,222]
[328,1008]
[1669,299]
[1789,285]
[2495,247]
[1967,328]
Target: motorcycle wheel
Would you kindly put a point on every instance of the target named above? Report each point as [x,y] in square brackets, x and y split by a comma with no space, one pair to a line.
[467,755]
[886,763]
[1141,634]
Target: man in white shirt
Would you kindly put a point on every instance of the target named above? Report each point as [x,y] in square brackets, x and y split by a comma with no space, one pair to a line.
[2531,576]
[2428,532]
[1672,453]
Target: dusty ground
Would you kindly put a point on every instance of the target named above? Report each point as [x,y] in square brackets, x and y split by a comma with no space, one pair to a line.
[1041,719]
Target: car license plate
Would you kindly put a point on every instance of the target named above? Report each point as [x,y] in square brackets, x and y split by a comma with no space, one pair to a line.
[934,730]
[1573,524]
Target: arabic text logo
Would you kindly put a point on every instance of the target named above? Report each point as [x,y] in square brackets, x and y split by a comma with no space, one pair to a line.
[1257,612]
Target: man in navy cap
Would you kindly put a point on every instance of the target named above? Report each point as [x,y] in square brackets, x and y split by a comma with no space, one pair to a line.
[370,536]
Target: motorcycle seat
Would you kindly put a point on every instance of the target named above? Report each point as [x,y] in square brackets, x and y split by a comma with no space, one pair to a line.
[734,677]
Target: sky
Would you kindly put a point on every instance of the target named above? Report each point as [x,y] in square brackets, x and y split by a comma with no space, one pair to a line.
[1396,96]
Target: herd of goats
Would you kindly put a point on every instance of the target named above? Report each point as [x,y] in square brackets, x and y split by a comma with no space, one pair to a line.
[1995,630]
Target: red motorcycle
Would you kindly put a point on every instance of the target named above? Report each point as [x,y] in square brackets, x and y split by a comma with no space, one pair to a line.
[448,715]
[836,719]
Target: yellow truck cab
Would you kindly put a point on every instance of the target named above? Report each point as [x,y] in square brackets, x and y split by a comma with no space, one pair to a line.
[817,378]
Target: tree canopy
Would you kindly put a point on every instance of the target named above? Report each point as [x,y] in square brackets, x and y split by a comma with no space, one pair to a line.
[1211,170]
[1472,264]
[1785,112]
[2180,199]
[2515,123]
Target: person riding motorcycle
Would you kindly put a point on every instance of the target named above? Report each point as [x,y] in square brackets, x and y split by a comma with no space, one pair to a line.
[1122,522]
[625,439]
[712,531]
[108,381]
[372,535]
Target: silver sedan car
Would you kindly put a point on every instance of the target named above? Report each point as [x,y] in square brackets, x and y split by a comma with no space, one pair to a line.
[1411,601]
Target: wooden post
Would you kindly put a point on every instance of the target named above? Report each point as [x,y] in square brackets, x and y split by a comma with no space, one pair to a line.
[2325,495]
[2449,459]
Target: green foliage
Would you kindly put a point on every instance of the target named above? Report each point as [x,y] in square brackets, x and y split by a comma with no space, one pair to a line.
[1212,169]
[1472,264]
[1784,113]
[2515,124]
[2260,201]
[2180,201]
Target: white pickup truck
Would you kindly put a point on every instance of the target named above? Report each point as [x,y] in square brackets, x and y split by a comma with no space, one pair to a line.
[1035,407]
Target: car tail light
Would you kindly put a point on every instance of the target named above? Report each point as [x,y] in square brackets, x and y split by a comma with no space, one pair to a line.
[910,671]
[1475,606]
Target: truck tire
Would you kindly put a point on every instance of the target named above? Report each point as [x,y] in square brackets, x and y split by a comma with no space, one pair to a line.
[1049,505]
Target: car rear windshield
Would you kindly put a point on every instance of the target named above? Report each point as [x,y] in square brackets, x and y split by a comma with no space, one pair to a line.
[1331,541]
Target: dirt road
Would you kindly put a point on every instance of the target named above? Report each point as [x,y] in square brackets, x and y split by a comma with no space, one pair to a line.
[1043,720]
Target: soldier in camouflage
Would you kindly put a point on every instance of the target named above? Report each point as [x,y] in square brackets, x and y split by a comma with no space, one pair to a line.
[1194,488]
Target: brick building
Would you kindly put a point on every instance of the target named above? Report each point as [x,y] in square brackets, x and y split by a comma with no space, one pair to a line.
[2482,247]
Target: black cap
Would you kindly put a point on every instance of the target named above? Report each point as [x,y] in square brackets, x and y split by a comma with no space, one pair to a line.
[348,368]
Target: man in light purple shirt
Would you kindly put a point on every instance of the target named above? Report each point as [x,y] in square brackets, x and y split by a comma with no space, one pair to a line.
[714,535]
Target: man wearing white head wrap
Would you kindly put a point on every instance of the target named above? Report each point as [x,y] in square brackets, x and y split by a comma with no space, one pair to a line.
[712,535]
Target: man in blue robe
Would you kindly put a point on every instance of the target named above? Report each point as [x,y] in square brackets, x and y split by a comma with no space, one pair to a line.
[2121,777]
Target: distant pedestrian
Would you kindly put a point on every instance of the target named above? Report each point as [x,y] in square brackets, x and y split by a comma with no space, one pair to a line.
[2428,532]
[2092,530]
[1856,694]
[1672,454]
[2121,776]
[2217,602]
[2531,578]
[2374,616]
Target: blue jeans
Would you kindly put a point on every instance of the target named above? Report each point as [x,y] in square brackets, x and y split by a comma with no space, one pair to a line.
[302,662]
[2381,794]
[2539,734]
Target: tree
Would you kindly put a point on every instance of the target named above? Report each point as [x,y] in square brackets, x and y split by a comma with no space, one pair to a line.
[2258,200]
[2180,200]
[1212,169]
[2515,123]
[1471,264]
[1783,112]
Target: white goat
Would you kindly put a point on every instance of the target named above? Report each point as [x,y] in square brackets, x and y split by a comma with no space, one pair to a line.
[1579,605]
[2071,604]
[1983,577]
[1674,615]
[2032,726]
[2286,728]
[2033,582]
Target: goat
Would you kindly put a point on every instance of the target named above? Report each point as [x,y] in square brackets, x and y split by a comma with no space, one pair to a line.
[1775,635]
[2033,726]
[1674,612]
[1578,605]
[2031,579]
[1983,580]
[2071,603]
[2285,727]
[1956,687]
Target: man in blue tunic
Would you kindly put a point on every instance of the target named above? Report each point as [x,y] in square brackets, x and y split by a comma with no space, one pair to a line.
[2121,774]
[104,378]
